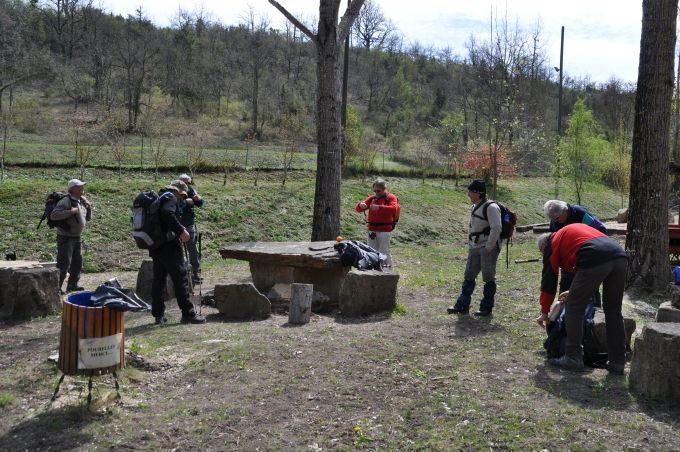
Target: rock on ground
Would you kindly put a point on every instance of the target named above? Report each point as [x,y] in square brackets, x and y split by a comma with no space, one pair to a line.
[241,301]
[30,292]
[668,313]
[601,330]
[145,279]
[367,292]
[655,368]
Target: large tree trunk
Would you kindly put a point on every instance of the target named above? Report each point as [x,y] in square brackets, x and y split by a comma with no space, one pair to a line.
[331,34]
[326,221]
[647,238]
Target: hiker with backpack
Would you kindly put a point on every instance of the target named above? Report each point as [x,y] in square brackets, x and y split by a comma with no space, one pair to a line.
[168,257]
[484,246]
[383,215]
[69,215]
[188,220]
[595,259]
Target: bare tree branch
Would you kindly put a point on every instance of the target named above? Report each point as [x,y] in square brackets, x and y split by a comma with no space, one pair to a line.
[351,13]
[294,21]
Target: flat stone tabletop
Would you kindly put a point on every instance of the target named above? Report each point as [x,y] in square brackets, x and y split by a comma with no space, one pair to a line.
[18,265]
[290,254]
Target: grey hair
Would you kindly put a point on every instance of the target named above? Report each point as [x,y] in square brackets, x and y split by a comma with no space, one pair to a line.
[554,208]
[380,183]
[543,241]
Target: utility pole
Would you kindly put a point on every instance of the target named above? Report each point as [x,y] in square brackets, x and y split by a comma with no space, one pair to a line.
[559,95]
[559,117]
[343,113]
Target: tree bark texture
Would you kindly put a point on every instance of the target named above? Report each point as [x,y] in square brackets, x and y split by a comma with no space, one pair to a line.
[326,221]
[300,303]
[328,41]
[647,239]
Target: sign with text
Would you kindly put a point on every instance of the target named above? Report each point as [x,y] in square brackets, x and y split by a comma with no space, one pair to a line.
[98,352]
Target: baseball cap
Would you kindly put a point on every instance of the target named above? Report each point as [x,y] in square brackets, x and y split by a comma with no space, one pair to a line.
[178,185]
[75,183]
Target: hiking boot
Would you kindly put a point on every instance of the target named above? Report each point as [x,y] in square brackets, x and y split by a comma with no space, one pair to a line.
[483,313]
[567,363]
[75,289]
[160,320]
[457,310]
[192,319]
[615,368]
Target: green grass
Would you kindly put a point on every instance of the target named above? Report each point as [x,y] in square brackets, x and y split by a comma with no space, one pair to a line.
[6,399]
[432,212]
[260,156]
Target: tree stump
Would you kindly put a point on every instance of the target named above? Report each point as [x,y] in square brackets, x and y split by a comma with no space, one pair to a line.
[300,303]
[145,280]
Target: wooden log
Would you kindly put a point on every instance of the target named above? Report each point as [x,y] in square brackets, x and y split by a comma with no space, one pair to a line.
[300,303]
[82,321]
[530,227]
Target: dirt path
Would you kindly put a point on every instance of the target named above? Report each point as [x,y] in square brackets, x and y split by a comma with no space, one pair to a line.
[417,381]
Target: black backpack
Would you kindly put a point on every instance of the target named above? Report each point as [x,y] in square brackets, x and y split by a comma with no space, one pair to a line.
[357,254]
[508,219]
[146,221]
[50,203]
[555,343]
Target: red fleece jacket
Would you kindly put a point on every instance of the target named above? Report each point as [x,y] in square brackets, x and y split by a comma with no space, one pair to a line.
[564,245]
[380,220]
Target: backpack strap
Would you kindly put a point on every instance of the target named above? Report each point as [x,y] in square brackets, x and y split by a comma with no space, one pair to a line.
[486,230]
[375,198]
[485,206]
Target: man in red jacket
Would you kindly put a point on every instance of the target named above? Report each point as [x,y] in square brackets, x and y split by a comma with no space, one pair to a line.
[382,209]
[594,258]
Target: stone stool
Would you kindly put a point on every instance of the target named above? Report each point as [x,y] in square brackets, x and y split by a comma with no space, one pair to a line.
[655,368]
[367,292]
[145,279]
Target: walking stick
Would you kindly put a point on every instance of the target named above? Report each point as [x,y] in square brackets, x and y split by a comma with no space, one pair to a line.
[189,269]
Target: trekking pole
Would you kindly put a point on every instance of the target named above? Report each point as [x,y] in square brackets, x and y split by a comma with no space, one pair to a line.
[189,269]
[507,254]
[524,261]
[199,239]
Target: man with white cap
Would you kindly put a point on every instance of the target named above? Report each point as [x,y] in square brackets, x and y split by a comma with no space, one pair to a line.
[188,219]
[72,212]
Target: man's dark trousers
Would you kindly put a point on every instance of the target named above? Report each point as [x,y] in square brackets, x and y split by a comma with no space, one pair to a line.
[612,275]
[69,259]
[168,260]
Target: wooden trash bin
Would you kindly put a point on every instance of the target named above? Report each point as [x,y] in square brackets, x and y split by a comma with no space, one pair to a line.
[92,338]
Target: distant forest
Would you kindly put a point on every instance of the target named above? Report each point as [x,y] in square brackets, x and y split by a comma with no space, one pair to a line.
[425,106]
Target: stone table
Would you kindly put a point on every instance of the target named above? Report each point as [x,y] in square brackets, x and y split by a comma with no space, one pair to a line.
[292,262]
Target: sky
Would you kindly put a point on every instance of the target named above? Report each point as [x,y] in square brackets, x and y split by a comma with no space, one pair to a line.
[601,38]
